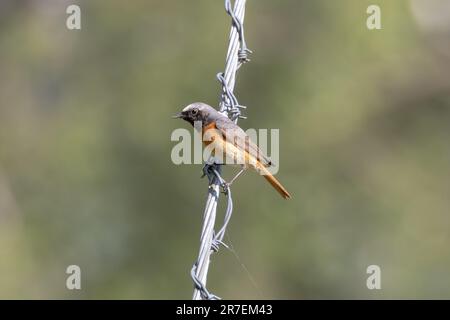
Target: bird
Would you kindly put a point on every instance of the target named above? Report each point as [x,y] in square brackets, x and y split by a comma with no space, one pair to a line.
[226,138]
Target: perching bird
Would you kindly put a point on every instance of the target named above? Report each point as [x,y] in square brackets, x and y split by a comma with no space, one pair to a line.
[227,139]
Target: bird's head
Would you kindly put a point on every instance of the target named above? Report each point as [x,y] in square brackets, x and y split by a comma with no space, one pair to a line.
[198,111]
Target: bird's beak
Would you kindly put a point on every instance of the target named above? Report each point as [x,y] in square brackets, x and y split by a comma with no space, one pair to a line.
[178,115]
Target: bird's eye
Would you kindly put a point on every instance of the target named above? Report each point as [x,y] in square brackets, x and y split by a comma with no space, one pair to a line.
[194,112]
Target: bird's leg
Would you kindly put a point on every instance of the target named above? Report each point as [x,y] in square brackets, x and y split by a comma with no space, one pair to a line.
[226,185]
[208,171]
[236,176]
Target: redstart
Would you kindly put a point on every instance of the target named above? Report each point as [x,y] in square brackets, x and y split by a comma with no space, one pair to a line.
[228,139]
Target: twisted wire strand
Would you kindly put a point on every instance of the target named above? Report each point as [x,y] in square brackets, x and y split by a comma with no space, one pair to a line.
[210,241]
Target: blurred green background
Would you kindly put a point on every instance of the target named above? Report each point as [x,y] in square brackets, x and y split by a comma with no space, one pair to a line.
[86,176]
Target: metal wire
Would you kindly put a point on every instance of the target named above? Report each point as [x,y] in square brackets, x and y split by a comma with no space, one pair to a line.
[210,241]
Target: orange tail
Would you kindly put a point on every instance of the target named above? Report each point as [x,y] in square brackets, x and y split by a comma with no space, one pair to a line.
[274,182]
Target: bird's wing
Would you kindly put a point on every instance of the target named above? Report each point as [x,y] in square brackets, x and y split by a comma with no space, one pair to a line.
[233,133]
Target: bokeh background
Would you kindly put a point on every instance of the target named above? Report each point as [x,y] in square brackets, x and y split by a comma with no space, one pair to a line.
[86,176]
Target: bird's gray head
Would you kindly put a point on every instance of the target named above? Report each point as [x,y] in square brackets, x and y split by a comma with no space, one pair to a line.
[198,111]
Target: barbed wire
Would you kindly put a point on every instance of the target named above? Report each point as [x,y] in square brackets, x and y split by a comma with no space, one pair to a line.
[210,241]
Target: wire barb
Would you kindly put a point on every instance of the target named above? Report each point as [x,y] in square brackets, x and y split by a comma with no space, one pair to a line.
[212,172]
[210,241]
[243,52]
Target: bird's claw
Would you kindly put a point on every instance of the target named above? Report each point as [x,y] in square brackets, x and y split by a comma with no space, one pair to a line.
[225,187]
[208,172]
